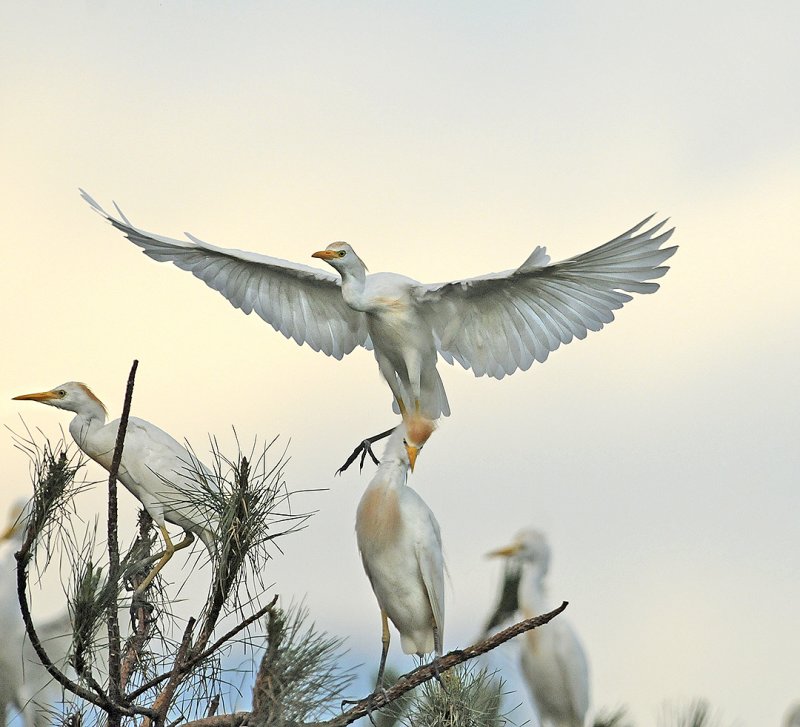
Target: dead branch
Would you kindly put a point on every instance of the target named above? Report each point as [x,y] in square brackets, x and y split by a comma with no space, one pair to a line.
[114,654]
[405,683]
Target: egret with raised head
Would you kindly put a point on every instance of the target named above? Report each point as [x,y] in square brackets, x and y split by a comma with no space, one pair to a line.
[553,661]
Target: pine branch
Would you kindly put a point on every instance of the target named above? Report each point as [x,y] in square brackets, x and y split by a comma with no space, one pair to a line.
[192,662]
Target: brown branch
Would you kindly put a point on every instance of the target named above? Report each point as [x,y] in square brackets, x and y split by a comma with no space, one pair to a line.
[114,655]
[164,699]
[155,681]
[141,635]
[405,683]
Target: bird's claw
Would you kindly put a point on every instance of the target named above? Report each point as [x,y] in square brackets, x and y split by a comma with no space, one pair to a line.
[363,449]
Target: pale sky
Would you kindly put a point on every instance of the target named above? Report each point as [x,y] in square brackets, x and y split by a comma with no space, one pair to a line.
[445,140]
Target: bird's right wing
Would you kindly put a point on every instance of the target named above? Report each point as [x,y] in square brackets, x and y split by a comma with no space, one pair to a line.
[301,302]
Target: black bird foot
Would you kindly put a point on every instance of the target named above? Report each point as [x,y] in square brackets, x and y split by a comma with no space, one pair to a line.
[364,449]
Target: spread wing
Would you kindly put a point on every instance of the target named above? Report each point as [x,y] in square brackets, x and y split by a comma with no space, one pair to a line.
[501,322]
[301,302]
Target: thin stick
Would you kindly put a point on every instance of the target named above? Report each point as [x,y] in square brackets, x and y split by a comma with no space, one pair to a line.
[114,656]
[210,650]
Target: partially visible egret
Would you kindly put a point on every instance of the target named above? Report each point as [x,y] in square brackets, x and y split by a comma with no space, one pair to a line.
[24,683]
[552,659]
[401,549]
[793,716]
[493,324]
[156,469]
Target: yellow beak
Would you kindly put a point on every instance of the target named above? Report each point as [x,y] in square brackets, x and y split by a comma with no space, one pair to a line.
[325,254]
[506,552]
[41,396]
[412,455]
[8,533]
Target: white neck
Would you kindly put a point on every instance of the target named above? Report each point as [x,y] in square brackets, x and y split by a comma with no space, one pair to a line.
[87,422]
[532,590]
[354,281]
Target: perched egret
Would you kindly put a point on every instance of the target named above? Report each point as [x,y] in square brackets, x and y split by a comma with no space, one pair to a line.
[401,550]
[24,683]
[156,469]
[493,324]
[552,659]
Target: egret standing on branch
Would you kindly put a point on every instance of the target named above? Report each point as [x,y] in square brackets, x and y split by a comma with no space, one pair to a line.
[156,469]
[552,659]
[401,550]
[493,324]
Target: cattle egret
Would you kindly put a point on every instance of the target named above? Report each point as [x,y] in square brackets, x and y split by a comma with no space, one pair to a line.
[156,469]
[401,550]
[24,683]
[552,659]
[493,324]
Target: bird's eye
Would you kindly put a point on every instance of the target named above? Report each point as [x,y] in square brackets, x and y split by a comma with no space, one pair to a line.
[342,253]
[62,393]
[405,443]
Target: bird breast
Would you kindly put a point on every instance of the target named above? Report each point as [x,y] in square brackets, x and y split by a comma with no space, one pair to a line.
[378,520]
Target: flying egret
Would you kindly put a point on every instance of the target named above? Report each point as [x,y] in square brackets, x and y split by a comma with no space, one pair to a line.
[552,659]
[24,683]
[401,549]
[156,469]
[493,324]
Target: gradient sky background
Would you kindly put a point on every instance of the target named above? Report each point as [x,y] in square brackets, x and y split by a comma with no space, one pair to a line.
[445,140]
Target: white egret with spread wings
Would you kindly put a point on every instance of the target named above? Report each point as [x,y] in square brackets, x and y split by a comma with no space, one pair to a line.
[494,324]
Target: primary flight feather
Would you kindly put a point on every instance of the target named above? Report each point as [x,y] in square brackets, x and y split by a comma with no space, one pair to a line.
[493,324]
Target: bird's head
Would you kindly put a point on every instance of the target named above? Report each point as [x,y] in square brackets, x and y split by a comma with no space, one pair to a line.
[72,396]
[418,431]
[17,520]
[341,257]
[528,545]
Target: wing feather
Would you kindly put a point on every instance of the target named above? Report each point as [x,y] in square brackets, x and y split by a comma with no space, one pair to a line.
[497,323]
[301,302]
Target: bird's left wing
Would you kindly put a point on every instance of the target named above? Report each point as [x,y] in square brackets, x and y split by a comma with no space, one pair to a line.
[501,322]
[431,566]
[574,670]
[301,302]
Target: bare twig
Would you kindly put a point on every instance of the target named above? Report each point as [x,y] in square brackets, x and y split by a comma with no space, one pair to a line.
[164,699]
[405,683]
[210,650]
[114,655]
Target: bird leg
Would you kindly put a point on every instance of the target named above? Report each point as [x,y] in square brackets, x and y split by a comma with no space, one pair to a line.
[185,543]
[384,649]
[364,449]
[167,554]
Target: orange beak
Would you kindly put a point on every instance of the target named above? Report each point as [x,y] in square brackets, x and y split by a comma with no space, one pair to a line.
[412,455]
[41,396]
[506,552]
[325,254]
